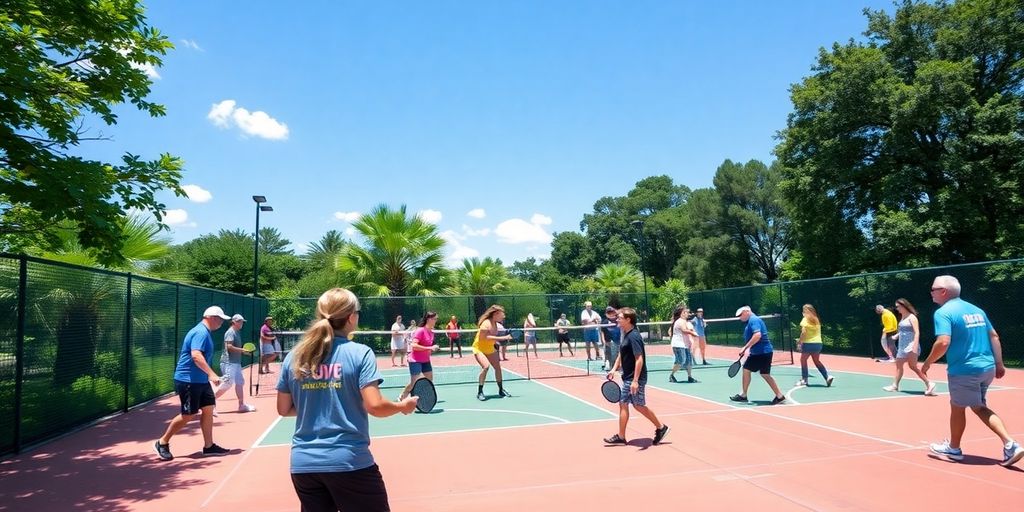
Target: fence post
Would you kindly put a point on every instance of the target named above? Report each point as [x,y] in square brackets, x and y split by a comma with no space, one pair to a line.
[867,294]
[177,315]
[19,350]
[127,343]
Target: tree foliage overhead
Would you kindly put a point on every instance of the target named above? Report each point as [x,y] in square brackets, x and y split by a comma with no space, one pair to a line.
[908,149]
[66,63]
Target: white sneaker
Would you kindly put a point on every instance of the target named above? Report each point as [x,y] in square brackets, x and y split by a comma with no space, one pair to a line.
[945,450]
[247,408]
[1012,454]
[801,383]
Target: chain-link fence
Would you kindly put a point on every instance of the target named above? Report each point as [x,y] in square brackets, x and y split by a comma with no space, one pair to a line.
[846,306]
[78,344]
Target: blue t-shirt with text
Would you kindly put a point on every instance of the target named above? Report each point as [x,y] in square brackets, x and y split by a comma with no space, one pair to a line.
[198,338]
[698,325]
[332,429]
[763,345]
[970,350]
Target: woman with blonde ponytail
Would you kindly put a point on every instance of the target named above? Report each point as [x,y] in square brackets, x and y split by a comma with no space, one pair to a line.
[330,384]
[484,350]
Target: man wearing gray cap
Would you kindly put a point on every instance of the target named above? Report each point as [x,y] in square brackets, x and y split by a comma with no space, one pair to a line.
[192,379]
[231,364]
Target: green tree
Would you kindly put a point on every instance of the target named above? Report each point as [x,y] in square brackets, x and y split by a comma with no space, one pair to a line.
[326,250]
[909,147]
[526,270]
[571,255]
[64,65]
[225,262]
[403,255]
[273,242]
[479,278]
[143,245]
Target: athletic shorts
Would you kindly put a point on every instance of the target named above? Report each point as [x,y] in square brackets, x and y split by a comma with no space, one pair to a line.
[759,363]
[267,349]
[626,397]
[194,396]
[418,368]
[810,348]
[682,356]
[563,337]
[232,374]
[362,490]
[970,390]
[590,335]
[531,338]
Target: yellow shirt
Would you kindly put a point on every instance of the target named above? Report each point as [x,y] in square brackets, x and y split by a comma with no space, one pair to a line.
[482,346]
[888,321]
[812,332]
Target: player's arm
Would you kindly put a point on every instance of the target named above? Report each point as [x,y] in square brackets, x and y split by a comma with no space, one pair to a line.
[939,349]
[997,352]
[753,339]
[200,361]
[378,406]
[285,406]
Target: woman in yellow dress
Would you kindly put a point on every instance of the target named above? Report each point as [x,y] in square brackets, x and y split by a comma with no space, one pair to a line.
[484,350]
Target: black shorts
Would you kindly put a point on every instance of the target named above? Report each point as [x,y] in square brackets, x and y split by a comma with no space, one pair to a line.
[194,396]
[759,363]
[563,337]
[359,490]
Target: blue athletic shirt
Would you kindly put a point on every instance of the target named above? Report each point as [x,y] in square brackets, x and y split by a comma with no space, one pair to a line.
[198,338]
[698,325]
[970,350]
[764,345]
[332,429]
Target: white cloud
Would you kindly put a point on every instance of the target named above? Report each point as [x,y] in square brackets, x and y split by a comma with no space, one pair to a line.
[430,216]
[468,231]
[459,252]
[540,220]
[518,231]
[477,213]
[190,43]
[197,194]
[148,69]
[257,123]
[178,218]
[350,231]
[349,217]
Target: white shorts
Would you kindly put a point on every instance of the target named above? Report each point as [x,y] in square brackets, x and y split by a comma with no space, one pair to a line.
[232,374]
[397,344]
[267,349]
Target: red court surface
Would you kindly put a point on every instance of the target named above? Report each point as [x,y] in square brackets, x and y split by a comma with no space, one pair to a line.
[851,455]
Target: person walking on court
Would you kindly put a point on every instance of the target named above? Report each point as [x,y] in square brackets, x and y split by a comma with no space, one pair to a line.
[453,337]
[484,349]
[193,377]
[974,356]
[398,341]
[633,362]
[231,364]
[419,353]
[760,358]
[591,337]
[407,339]
[890,334]
[700,325]
[562,335]
[268,352]
[530,334]
[909,347]
[809,344]
[683,335]
[330,385]
[611,337]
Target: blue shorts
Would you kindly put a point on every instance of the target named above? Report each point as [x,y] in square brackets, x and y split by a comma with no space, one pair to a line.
[590,335]
[970,390]
[625,397]
[683,356]
[418,368]
[810,348]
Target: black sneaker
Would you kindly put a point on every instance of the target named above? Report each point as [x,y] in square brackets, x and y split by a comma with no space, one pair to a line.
[480,396]
[614,440]
[163,450]
[502,393]
[659,434]
[778,400]
[214,449]
[738,398]
[690,380]
[672,378]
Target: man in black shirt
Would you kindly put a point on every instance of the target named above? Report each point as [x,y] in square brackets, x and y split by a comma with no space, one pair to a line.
[634,378]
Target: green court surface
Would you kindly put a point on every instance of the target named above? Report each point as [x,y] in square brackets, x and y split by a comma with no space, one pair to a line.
[531,403]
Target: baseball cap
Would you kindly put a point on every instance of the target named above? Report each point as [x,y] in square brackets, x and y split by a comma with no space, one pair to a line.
[700,310]
[741,310]
[237,318]
[215,311]
[609,309]
[587,303]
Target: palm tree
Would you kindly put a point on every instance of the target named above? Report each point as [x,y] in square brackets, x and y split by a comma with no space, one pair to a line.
[479,278]
[403,255]
[617,278]
[143,244]
[326,249]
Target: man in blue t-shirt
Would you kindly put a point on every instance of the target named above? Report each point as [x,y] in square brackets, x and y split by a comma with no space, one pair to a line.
[700,325]
[611,336]
[760,358]
[974,356]
[193,376]
[632,361]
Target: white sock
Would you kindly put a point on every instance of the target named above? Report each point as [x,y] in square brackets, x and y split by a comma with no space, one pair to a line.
[1009,444]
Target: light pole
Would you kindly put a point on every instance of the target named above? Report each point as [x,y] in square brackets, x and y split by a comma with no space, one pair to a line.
[639,225]
[256,249]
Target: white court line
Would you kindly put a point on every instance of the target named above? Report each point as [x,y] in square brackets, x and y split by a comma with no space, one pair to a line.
[789,395]
[509,411]
[574,397]
[241,462]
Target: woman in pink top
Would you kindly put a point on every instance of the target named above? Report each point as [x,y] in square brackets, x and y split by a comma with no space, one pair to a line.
[420,347]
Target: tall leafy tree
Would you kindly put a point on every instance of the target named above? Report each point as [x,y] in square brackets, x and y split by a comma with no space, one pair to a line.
[481,277]
[616,278]
[402,255]
[908,148]
[67,64]
[326,249]
[273,242]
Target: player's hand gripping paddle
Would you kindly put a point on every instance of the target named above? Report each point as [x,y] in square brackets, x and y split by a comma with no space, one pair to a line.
[424,390]
[735,367]
[611,391]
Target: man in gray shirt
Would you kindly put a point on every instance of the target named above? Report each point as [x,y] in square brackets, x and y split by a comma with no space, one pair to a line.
[231,364]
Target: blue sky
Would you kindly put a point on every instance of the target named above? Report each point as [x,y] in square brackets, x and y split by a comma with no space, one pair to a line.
[502,122]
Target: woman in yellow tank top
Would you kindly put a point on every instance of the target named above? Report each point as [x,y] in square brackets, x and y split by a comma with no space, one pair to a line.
[484,351]
[810,345]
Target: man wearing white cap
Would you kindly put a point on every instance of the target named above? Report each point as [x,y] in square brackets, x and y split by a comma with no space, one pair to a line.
[760,358]
[193,377]
[231,363]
